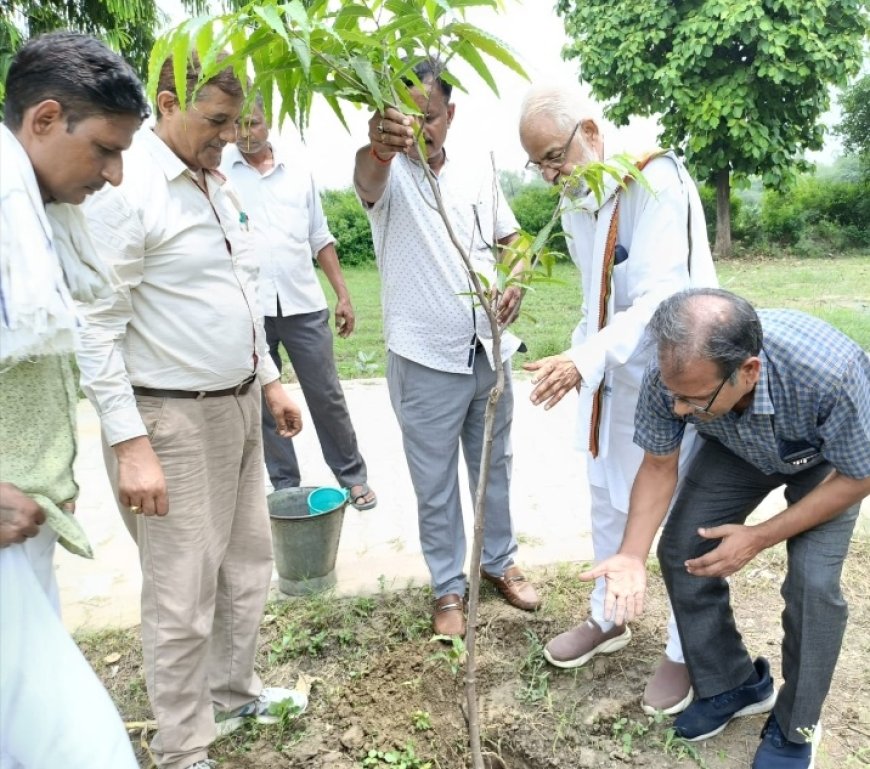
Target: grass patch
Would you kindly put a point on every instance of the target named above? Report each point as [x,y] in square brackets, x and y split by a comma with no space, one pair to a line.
[836,290]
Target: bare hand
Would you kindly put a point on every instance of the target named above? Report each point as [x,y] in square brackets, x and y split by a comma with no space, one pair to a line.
[141,483]
[20,516]
[738,547]
[288,417]
[554,377]
[390,133]
[509,305]
[345,321]
[626,586]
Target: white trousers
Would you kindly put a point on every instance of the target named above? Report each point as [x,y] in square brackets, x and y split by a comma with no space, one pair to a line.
[54,711]
[608,526]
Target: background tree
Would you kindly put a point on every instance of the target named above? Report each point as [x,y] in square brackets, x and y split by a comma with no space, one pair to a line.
[739,84]
[854,128]
[127,26]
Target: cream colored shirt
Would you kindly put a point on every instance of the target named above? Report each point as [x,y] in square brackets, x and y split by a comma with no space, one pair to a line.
[186,315]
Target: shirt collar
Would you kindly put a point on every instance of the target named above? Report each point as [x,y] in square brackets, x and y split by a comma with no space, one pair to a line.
[762,402]
[168,162]
[235,157]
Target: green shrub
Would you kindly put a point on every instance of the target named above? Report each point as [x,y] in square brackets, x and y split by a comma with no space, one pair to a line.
[818,215]
[350,226]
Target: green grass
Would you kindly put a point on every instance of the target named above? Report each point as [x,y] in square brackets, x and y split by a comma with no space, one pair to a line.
[836,290]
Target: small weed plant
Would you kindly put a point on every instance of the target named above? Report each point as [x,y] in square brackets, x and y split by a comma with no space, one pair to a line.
[400,759]
[421,720]
[454,656]
[533,672]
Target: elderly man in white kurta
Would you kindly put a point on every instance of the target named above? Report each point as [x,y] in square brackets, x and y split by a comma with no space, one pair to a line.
[440,369]
[634,247]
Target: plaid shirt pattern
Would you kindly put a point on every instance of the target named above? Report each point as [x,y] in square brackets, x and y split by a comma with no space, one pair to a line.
[811,403]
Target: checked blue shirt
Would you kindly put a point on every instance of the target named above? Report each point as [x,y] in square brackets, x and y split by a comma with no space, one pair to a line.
[811,403]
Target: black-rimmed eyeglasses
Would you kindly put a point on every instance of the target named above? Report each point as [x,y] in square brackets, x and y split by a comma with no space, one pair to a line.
[696,409]
[554,162]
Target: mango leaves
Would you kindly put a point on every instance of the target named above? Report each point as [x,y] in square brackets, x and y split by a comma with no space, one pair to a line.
[357,51]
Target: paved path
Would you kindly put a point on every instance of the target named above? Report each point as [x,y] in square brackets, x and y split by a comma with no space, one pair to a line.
[550,503]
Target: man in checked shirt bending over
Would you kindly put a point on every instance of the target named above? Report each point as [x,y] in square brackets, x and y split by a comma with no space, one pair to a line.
[780,399]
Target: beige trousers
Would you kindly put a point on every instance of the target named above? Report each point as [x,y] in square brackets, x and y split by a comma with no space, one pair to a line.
[206,567]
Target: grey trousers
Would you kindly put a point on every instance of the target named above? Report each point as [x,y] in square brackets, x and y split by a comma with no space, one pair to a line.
[436,411]
[721,488]
[308,341]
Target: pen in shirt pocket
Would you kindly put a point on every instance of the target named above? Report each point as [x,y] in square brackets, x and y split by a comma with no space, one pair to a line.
[244,221]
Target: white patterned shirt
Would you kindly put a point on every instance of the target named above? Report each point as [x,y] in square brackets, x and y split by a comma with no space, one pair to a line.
[430,315]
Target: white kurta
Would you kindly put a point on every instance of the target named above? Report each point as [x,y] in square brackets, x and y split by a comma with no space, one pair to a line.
[653,230]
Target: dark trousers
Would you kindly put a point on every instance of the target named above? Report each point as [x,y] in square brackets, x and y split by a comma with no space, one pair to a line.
[721,488]
[308,341]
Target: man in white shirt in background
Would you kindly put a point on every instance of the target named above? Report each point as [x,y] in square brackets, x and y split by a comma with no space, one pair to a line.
[634,247]
[439,366]
[284,210]
[174,363]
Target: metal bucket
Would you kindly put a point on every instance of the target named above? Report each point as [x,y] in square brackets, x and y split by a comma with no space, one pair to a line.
[305,545]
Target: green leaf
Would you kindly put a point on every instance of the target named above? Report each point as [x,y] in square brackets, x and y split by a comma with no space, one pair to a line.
[489,44]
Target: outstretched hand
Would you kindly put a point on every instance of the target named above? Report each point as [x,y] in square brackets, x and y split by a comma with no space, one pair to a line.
[626,586]
[554,377]
[738,546]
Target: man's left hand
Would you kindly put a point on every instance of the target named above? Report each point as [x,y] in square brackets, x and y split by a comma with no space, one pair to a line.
[509,305]
[288,417]
[554,376]
[344,318]
[738,547]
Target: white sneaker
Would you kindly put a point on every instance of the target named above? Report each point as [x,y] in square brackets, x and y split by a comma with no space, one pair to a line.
[261,709]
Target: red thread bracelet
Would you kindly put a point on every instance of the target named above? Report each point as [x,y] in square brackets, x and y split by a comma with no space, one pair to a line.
[382,161]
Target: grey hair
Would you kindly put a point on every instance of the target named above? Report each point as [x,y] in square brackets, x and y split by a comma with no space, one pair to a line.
[706,324]
[564,105]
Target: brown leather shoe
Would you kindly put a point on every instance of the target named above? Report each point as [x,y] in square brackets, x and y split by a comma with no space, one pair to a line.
[449,615]
[515,588]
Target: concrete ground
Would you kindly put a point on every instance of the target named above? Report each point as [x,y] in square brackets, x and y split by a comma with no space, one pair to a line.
[549,496]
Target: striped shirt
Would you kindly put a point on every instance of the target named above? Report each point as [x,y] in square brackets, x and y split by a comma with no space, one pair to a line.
[811,403]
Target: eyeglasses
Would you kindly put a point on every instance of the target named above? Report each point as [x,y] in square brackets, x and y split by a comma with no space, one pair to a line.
[554,161]
[696,409]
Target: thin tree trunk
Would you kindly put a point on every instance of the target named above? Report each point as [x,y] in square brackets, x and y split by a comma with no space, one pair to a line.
[491,310]
[722,246]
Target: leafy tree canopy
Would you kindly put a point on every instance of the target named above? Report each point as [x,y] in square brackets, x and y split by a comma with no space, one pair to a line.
[127,26]
[854,128]
[739,84]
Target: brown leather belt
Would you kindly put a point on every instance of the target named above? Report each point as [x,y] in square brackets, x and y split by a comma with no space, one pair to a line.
[239,389]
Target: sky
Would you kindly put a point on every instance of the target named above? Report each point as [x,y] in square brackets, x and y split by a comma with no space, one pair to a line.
[484,121]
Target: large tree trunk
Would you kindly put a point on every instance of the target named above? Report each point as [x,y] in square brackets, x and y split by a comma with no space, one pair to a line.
[723,214]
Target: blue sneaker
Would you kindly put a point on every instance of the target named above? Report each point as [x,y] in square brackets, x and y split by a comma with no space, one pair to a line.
[707,717]
[776,752]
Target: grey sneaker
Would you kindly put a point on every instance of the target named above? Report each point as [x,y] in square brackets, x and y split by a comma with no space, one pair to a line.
[259,709]
[204,764]
[577,646]
[669,690]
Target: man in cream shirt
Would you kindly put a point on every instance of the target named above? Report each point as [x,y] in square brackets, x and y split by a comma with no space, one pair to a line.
[174,362]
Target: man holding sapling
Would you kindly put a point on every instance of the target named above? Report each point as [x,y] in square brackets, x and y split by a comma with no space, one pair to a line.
[439,366]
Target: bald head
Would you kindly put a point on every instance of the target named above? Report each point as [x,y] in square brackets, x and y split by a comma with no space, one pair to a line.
[705,324]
